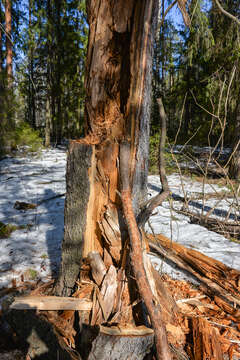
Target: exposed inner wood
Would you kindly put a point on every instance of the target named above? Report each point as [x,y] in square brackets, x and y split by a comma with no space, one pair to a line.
[205,341]
[50,303]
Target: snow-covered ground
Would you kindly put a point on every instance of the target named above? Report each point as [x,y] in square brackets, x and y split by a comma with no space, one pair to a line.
[34,252]
[178,227]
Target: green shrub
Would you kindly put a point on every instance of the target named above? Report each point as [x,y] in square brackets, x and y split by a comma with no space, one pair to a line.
[6,230]
[33,274]
[27,138]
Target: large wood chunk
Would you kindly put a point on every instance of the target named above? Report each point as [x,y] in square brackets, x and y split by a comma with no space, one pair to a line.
[50,303]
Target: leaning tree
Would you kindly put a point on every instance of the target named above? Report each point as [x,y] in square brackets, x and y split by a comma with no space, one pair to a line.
[106,208]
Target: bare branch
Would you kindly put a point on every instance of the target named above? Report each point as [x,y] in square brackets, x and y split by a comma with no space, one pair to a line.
[234,18]
[7,35]
[165,14]
[182,8]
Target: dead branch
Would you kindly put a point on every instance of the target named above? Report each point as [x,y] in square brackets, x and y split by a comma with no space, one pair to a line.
[228,229]
[51,198]
[165,14]
[182,8]
[136,254]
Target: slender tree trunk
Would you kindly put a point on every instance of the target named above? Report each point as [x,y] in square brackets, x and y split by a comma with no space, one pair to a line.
[9,57]
[48,116]
[234,169]
[163,45]
[48,123]
[1,85]
[32,107]
[59,117]
[1,50]
[1,57]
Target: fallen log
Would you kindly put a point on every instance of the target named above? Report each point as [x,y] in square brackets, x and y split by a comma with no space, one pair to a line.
[227,229]
[217,279]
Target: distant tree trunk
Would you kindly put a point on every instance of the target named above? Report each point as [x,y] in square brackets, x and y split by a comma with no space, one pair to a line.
[59,117]
[234,169]
[1,50]
[1,55]
[32,107]
[187,115]
[1,82]
[48,123]
[48,113]
[9,56]
[163,48]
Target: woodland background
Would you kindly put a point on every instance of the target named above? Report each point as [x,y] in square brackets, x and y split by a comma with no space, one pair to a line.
[42,56]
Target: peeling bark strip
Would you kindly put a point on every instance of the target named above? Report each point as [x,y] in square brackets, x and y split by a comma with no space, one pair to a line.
[153,307]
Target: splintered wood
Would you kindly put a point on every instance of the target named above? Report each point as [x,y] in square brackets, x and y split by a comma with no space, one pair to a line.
[206,343]
[202,322]
[209,313]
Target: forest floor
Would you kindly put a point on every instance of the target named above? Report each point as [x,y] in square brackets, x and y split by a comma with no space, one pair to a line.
[32,193]
[33,250]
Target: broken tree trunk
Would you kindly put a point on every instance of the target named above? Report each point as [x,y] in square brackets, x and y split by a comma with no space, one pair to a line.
[95,249]
[117,107]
